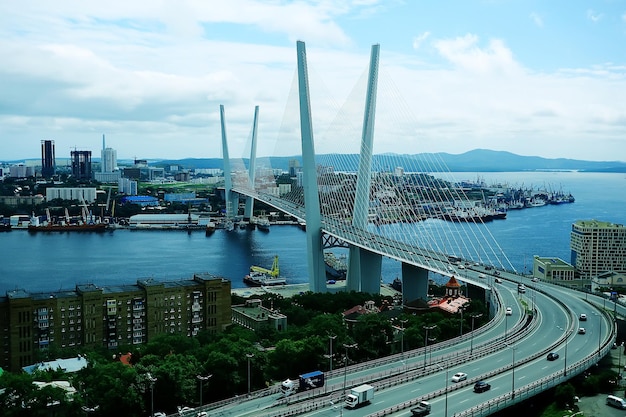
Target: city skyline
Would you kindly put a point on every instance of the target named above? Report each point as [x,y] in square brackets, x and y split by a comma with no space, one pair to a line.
[530,78]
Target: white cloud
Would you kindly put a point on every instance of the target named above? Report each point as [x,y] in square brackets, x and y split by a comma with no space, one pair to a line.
[419,39]
[152,80]
[537,19]
[465,53]
[594,16]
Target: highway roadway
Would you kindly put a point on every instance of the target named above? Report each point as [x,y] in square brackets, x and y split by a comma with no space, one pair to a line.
[512,363]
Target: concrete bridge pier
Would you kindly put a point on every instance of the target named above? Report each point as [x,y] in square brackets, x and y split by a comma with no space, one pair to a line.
[364,269]
[414,283]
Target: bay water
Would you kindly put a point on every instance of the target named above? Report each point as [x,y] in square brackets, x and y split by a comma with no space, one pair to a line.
[45,262]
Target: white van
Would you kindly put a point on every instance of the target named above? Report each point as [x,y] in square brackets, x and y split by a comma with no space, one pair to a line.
[616,402]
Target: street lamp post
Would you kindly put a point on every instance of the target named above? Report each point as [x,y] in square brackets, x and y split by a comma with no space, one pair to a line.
[345,375]
[474,316]
[249,356]
[152,380]
[427,328]
[461,326]
[403,322]
[202,379]
[330,356]
[446,369]
[513,372]
[619,361]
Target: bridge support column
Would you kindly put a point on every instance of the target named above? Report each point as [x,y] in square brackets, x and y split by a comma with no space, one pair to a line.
[249,209]
[315,254]
[414,283]
[231,199]
[364,271]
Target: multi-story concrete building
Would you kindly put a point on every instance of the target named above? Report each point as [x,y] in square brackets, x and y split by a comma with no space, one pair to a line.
[81,164]
[597,247]
[252,315]
[556,271]
[87,194]
[48,163]
[110,316]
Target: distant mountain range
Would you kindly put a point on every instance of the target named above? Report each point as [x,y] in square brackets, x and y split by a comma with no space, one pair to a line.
[478,160]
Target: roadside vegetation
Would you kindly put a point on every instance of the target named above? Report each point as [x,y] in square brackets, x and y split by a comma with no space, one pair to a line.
[177,361]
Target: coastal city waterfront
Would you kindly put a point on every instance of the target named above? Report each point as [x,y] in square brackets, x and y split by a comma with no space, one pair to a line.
[50,262]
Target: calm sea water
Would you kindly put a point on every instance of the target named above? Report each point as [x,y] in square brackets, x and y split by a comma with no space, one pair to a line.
[49,262]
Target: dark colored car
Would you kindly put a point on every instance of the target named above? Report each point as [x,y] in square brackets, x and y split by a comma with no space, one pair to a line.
[552,356]
[481,386]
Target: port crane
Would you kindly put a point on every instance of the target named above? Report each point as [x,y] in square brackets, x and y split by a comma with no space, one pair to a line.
[274,272]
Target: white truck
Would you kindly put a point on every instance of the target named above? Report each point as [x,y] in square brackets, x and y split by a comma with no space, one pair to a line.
[360,395]
[421,409]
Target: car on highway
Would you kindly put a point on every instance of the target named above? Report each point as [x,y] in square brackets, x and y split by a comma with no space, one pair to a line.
[496,272]
[488,268]
[582,330]
[481,386]
[498,281]
[582,317]
[482,276]
[509,311]
[552,356]
[535,279]
[459,376]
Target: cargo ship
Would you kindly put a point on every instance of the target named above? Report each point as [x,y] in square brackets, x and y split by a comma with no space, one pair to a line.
[336,268]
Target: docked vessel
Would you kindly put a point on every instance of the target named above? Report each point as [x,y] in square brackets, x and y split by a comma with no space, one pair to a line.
[69,227]
[336,268]
[84,224]
[260,279]
[260,276]
[210,228]
[262,223]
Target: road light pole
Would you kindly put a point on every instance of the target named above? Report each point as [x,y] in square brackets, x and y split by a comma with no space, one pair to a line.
[403,322]
[427,328]
[249,356]
[202,379]
[345,376]
[152,380]
[474,316]
[461,326]
[513,372]
[330,356]
[446,369]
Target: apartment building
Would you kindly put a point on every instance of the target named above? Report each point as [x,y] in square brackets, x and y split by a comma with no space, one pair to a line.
[109,316]
[597,247]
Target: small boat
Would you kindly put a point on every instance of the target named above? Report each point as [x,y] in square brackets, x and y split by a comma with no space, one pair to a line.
[210,228]
[263,224]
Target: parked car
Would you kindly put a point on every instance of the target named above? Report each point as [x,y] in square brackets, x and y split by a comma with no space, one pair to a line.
[481,386]
[582,317]
[582,330]
[509,311]
[459,376]
[552,356]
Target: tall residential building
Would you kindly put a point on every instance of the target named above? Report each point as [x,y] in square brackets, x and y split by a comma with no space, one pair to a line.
[48,165]
[113,317]
[597,247]
[81,164]
[108,165]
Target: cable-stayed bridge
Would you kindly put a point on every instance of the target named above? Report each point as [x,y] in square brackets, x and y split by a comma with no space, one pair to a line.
[375,205]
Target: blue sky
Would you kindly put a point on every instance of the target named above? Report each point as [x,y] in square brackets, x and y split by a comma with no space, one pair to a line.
[545,78]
